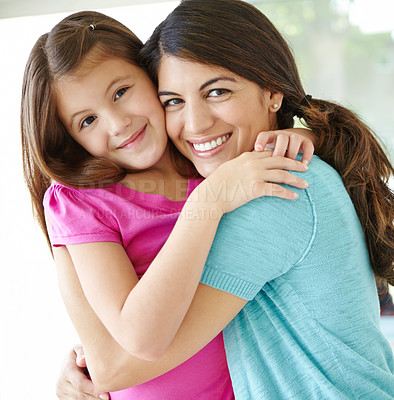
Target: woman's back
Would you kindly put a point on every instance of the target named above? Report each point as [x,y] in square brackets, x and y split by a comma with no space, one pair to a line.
[306,333]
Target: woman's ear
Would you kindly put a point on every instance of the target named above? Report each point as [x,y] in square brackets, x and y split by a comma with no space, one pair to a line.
[275,101]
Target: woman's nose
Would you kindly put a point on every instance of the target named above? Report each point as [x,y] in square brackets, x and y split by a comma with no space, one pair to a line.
[198,119]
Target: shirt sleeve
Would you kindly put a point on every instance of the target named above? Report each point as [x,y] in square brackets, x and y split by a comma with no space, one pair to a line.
[75,218]
[258,242]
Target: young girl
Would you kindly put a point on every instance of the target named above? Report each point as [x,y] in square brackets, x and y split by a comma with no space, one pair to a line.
[96,154]
[296,279]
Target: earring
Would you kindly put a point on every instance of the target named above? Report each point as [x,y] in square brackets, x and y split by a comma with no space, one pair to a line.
[275,106]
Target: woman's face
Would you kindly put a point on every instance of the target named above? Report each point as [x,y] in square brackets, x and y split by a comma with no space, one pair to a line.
[111,109]
[212,114]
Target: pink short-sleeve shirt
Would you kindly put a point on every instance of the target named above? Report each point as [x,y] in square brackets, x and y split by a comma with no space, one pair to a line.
[141,223]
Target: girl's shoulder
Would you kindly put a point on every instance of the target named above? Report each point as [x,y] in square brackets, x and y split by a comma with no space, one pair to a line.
[77,215]
[61,197]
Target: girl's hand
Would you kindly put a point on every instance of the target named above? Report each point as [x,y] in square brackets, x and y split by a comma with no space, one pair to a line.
[251,175]
[287,143]
[73,383]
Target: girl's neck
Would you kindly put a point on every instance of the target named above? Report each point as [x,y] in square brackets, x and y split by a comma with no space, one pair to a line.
[161,179]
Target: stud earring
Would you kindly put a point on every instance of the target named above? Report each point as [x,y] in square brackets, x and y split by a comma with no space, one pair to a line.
[275,106]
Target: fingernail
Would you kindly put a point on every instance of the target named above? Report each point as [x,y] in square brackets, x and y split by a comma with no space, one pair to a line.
[304,166]
[304,183]
[305,162]
[103,397]
[294,195]
[258,147]
[269,147]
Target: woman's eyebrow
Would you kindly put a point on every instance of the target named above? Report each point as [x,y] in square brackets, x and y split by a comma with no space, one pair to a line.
[214,80]
[202,87]
[167,93]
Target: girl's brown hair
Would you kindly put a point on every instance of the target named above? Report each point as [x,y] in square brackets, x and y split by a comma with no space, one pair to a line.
[235,35]
[49,152]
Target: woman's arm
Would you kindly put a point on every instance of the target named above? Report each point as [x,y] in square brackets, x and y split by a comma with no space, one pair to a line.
[73,383]
[111,367]
[144,318]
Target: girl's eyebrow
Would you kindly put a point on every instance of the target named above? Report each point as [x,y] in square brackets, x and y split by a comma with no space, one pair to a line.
[202,87]
[75,115]
[115,81]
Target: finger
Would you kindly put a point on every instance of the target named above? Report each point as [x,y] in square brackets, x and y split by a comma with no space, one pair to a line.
[282,142]
[65,390]
[265,141]
[74,395]
[285,177]
[254,155]
[81,361]
[309,149]
[294,145]
[84,386]
[274,190]
[269,163]
[78,350]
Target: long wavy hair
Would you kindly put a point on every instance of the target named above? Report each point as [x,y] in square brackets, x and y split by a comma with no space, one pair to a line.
[233,34]
[49,152]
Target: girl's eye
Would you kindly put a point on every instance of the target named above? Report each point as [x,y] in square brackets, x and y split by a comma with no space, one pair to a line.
[218,92]
[120,93]
[172,103]
[87,121]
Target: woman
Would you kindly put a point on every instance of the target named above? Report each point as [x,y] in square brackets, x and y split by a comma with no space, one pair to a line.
[297,329]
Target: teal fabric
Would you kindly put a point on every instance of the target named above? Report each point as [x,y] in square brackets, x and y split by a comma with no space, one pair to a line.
[311,327]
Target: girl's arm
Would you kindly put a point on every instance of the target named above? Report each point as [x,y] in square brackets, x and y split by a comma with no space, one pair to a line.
[111,367]
[144,318]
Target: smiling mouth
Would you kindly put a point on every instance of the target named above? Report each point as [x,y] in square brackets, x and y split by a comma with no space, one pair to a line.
[132,138]
[211,144]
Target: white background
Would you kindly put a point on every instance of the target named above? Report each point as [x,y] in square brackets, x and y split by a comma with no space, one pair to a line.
[35,329]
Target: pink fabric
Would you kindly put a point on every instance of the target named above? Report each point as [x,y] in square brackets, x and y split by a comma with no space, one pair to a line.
[141,223]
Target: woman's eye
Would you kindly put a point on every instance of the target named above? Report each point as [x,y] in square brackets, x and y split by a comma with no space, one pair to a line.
[218,92]
[120,93]
[172,103]
[87,121]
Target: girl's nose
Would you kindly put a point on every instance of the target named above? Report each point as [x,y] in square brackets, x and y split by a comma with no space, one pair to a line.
[118,122]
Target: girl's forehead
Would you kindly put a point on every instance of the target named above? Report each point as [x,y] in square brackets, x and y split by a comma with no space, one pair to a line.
[98,55]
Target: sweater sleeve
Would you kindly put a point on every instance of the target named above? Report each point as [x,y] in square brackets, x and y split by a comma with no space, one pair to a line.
[74,217]
[259,242]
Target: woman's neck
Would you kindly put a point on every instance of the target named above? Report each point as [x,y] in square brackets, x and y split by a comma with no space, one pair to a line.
[161,179]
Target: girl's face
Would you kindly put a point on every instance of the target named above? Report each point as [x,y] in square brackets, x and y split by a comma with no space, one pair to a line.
[212,114]
[111,109]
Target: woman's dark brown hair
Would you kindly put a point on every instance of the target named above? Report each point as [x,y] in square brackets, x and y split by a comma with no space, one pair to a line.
[49,152]
[235,35]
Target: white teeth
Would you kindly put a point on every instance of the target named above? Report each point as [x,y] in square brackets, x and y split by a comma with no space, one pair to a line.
[210,145]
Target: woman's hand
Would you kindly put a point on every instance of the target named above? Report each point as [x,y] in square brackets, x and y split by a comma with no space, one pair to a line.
[249,176]
[287,143]
[73,383]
